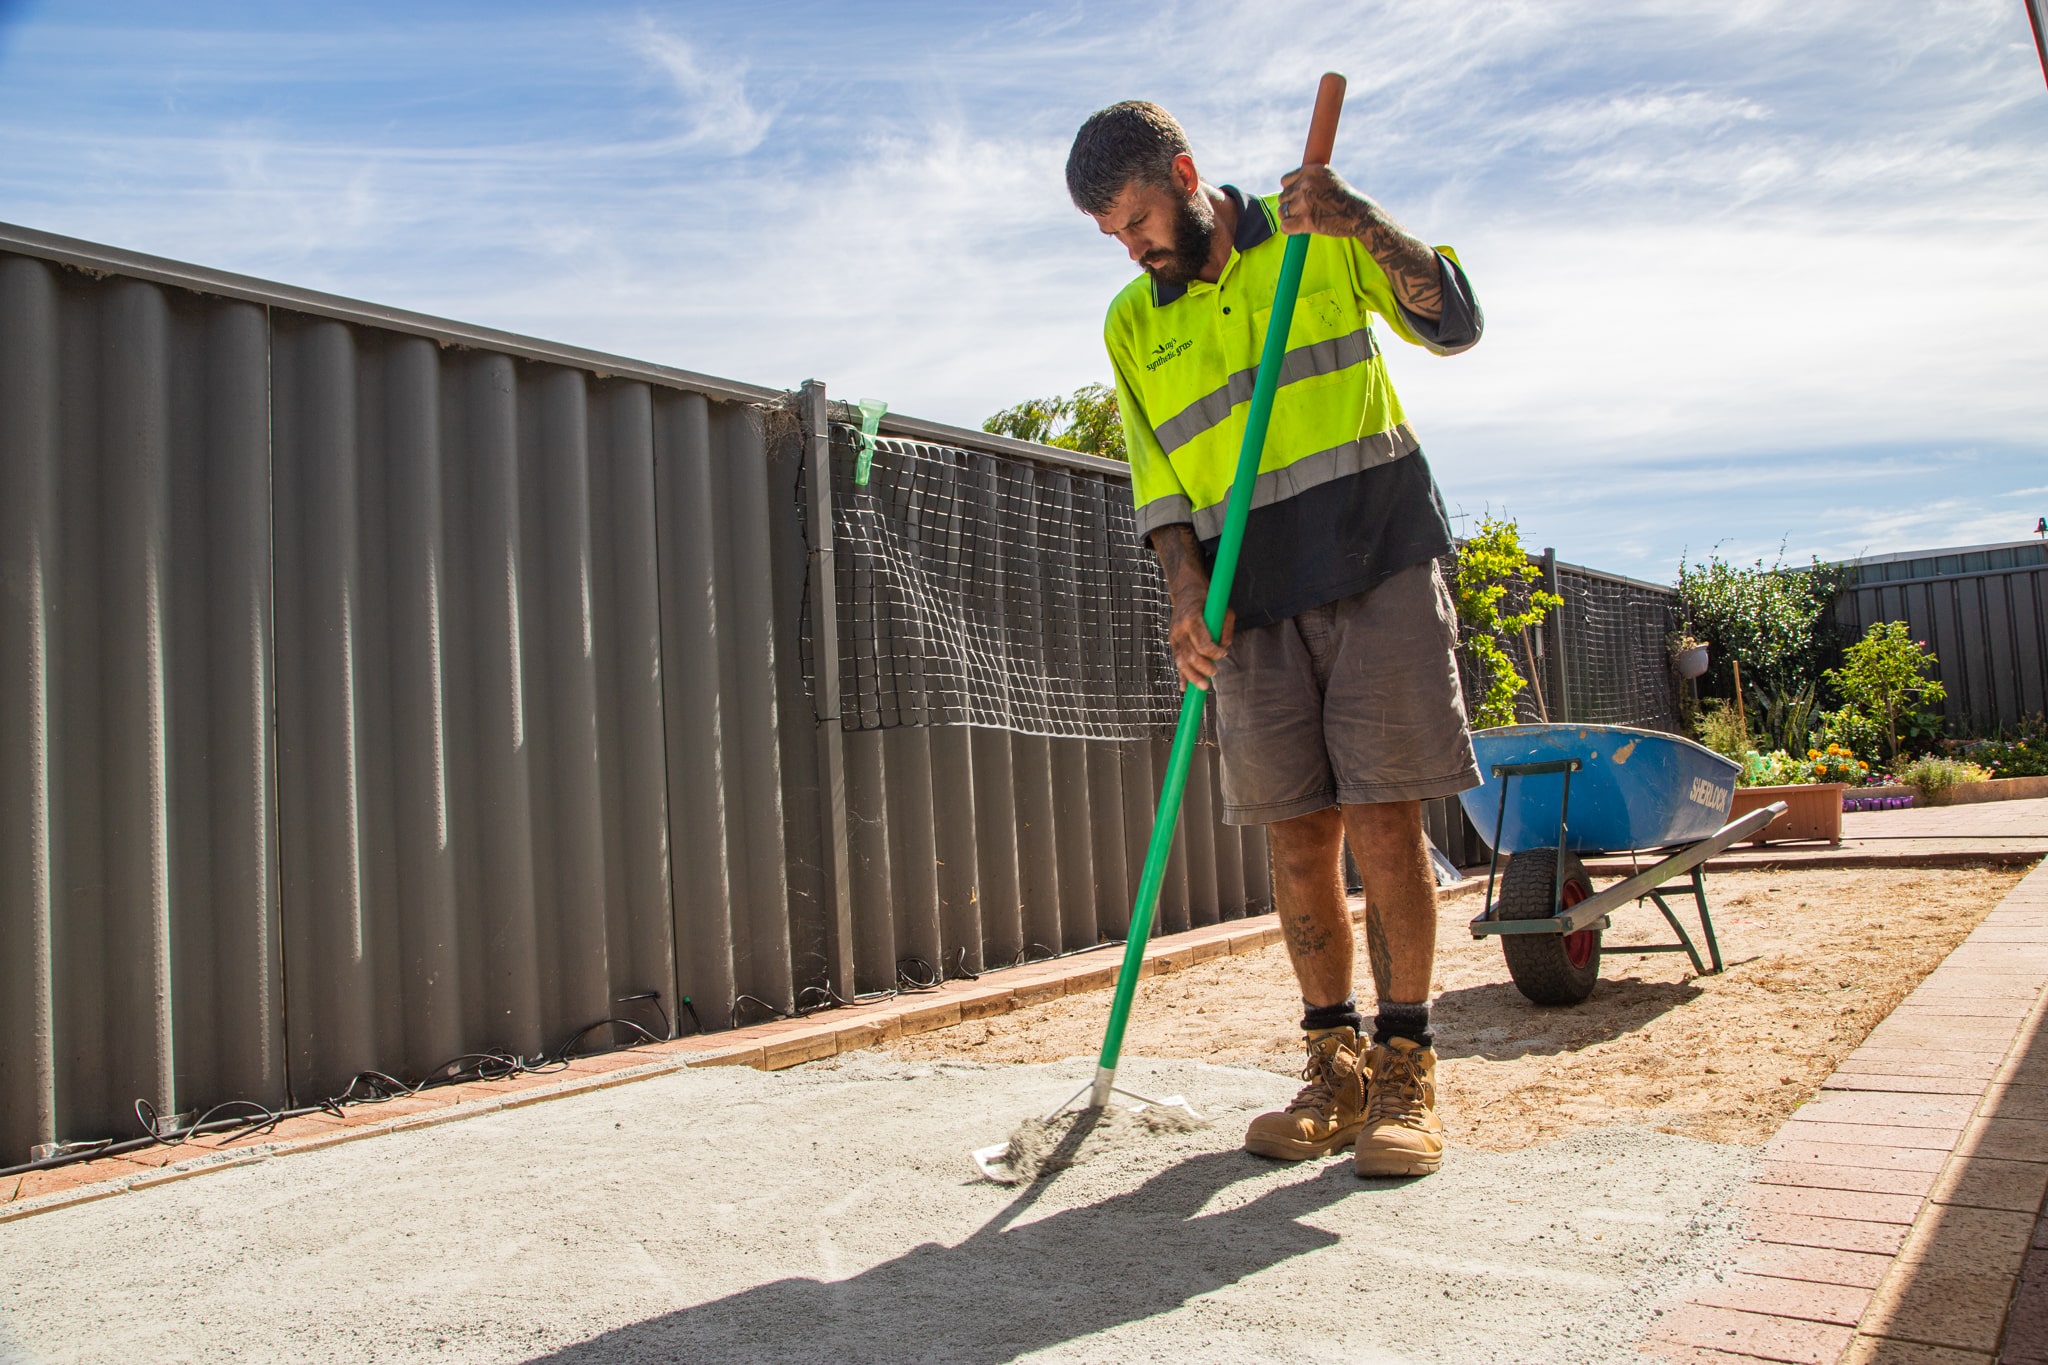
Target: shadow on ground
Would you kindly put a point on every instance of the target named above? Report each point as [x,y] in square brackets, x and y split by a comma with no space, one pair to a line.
[1010,1288]
[1497,1022]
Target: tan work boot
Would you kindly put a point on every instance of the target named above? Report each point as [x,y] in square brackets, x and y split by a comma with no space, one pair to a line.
[1402,1134]
[1326,1115]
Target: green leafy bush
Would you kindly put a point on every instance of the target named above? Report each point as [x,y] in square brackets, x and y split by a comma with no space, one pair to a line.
[1489,564]
[1935,778]
[1719,727]
[1850,729]
[1884,676]
[1769,620]
[2025,755]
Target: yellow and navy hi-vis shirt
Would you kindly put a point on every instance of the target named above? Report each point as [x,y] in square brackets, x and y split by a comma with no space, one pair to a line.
[1344,496]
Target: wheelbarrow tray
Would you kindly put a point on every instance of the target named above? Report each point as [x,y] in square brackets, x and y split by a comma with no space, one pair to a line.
[1634,789]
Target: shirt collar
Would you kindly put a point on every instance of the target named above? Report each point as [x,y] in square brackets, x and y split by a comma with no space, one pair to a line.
[1253,227]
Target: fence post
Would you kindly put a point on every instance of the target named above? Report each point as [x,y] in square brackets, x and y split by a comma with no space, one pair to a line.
[1561,698]
[825,686]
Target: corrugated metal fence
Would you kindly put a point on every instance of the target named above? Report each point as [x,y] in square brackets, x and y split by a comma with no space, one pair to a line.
[374,689]
[1985,616]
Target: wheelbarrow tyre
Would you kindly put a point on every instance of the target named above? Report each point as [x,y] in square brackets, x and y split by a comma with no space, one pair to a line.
[1551,969]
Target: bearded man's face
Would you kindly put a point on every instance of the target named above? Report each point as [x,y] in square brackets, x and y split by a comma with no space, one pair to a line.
[1166,232]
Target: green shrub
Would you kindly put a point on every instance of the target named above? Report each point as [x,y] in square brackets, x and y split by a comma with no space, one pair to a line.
[1772,621]
[2026,756]
[1490,563]
[1087,420]
[1851,730]
[1719,727]
[1936,778]
[1884,676]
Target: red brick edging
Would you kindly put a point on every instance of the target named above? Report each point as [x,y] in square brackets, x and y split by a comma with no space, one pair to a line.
[1893,1212]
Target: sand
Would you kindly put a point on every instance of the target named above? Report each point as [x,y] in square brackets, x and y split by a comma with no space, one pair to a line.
[1816,958]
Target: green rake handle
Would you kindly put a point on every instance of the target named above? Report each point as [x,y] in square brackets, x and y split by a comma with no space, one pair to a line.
[1322,137]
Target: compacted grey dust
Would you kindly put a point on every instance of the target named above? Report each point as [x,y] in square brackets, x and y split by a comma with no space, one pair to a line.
[832,1213]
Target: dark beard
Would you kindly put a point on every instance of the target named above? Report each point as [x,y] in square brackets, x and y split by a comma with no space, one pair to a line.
[1194,223]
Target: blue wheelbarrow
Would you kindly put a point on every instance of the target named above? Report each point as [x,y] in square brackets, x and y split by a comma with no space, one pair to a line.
[1551,794]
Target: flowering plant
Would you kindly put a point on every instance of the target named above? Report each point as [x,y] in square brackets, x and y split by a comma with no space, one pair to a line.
[1837,764]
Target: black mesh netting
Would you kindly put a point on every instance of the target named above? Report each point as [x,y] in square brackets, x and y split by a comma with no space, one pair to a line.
[977,589]
[1616,668]
[981,589]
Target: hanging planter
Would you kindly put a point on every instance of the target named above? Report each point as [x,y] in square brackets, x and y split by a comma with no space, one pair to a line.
[1688,654]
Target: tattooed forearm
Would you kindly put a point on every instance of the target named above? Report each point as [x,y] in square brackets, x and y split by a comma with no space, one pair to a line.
[1180,558]
[1316,199]
[1410,264]
[1377,955]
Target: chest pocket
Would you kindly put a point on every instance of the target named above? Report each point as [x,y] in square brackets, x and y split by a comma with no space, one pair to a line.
[1317,317]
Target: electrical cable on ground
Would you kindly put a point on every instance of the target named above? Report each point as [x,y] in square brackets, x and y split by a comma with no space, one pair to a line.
[234,1119]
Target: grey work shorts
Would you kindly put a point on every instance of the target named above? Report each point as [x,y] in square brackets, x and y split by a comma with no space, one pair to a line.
[1352,702]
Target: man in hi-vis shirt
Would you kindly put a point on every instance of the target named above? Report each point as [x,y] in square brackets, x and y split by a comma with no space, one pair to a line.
[1337,697]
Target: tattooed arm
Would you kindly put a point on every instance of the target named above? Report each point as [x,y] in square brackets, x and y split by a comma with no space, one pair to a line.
[1316,199]
[1195,651]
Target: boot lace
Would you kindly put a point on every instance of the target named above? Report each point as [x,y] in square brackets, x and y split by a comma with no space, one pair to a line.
[1323,1078]
[1396,1092]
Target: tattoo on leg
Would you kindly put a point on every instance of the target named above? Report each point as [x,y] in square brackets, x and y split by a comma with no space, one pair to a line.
[1377,954]
[1305,936]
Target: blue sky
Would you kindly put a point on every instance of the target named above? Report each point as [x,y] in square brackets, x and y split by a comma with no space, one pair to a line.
[1755,272]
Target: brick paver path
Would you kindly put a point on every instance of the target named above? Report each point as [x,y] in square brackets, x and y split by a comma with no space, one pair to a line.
[1893,1216]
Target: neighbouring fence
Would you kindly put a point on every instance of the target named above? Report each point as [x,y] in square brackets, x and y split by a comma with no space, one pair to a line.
[376,689]
[1984,613]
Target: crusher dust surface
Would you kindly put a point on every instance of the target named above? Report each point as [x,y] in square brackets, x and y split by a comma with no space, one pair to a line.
[1041,1146]
[1815,959]
[727,1216]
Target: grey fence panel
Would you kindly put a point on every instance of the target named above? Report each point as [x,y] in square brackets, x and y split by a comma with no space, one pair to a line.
[138,895]
[472,787]
[729,565]
[1988,631]
[936,889]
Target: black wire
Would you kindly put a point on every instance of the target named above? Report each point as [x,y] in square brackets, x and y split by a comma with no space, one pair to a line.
[740,1000]
[245,1117]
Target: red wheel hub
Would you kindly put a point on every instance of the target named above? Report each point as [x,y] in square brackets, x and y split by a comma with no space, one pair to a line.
[1578,947]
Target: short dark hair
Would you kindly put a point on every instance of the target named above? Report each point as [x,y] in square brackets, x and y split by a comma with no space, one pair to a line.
[1132,141]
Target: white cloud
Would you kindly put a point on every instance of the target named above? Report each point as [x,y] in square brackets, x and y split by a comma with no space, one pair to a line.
[720,117]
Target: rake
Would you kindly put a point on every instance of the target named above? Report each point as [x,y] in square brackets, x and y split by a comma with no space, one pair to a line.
[1322,136]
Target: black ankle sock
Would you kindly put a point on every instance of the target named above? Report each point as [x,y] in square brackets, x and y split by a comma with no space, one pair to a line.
[1346,1015]
[1403,1021]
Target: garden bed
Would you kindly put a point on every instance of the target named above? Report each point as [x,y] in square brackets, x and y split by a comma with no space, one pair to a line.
[1816,958]
[1970,793]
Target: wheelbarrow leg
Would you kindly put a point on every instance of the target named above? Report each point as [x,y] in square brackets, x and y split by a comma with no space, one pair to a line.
[1684,939]
[1699,895]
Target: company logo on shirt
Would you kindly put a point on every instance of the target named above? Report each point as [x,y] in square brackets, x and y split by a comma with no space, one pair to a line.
[1165,351]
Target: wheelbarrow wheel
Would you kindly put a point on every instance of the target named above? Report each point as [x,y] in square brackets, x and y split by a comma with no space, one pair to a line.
[1551,969]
